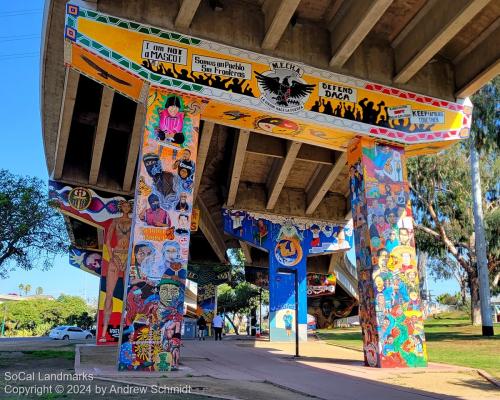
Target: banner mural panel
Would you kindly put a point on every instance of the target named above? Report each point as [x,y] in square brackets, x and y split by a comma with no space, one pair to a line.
[288,241]
[390,305]
[257,92]
[112,215]
[151,328]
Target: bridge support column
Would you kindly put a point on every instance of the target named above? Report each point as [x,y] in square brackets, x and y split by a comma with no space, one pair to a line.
[159,242]
[282,298]
[390,306]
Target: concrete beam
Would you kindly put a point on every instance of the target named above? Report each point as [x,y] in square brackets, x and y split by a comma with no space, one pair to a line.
[278,14]
[480,66]
[291,203]
[350,26]
[332,11]
[210,230]
[237,165]
[100,133]
[323,182]
[245,247]
[186,13]
[66,116]
[440,24]
[270,146]
[133,147]
[280,173]
[203,146]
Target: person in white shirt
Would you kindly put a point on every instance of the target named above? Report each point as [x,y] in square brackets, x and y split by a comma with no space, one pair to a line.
[217,324]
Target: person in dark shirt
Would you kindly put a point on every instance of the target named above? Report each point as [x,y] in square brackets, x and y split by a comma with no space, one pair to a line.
[202,326]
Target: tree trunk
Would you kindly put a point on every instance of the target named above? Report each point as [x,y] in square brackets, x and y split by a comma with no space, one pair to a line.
[463,292]
[482,259]
[475,302]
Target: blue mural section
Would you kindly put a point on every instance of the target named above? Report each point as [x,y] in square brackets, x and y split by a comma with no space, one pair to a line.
[288,241]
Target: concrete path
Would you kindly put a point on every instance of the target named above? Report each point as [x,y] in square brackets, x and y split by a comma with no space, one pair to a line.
[322,371]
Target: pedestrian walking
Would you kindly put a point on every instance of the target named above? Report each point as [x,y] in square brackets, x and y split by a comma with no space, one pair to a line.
[217,324]
[202,326]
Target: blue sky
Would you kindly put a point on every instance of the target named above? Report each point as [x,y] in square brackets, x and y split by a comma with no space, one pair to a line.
[21,150]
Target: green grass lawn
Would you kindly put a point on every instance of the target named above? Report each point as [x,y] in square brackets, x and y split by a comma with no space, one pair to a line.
[450,339]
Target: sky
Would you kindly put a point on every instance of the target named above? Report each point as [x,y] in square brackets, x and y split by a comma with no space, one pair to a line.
[21,149]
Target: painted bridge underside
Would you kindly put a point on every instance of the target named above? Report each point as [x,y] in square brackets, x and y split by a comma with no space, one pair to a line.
[347,55]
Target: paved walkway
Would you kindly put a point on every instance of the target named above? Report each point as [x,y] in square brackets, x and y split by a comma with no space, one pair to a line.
[322,371]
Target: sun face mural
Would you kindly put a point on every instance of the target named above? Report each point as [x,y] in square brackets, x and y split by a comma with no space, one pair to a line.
[391,313]
[288,242]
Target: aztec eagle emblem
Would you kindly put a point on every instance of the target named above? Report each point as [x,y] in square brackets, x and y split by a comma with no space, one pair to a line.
[283,89]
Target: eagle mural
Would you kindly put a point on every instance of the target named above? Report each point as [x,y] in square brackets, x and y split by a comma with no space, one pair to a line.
[285,90]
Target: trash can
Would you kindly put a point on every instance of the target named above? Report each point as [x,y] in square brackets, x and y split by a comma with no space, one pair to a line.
[188,328]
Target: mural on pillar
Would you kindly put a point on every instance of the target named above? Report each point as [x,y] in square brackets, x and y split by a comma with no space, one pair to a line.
[113,216]
[151,327]
[87,260]
[289,241]
[257,92]
[390,305]
[208,277]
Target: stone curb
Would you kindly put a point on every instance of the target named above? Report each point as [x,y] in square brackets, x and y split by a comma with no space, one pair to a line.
[488,377]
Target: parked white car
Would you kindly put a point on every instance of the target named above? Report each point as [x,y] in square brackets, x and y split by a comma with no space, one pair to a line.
[69,332]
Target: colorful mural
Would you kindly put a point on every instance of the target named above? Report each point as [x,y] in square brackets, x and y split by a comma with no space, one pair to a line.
[257,92]
[112,215]
[288,242]
[208,277]
[86,260]
[327,308]
[151,327]
[320,284]
[390,311]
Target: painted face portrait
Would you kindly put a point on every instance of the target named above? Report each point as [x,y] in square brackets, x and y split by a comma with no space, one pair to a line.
[404,237]
[93,261]
[277,125]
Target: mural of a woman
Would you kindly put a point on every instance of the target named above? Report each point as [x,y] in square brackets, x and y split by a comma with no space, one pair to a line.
[117,242]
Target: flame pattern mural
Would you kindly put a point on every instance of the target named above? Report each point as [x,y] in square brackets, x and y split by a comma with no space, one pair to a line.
[151,326]
[390,306]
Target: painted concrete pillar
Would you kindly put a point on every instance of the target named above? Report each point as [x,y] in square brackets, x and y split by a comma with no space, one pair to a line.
[282,295]
[288,241]
[207,301]
[159,244]
[390,306]
[105,215]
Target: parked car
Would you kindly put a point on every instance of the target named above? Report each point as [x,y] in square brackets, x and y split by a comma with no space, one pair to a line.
[69,332]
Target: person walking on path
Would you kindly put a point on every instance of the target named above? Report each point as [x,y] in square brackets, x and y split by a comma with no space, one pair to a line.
[202,326]
[217,323]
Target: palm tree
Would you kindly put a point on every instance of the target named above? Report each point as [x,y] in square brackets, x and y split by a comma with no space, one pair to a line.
[27,289]
[21,289]
[39,290]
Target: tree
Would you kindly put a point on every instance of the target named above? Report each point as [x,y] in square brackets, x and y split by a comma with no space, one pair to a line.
[484,135]
[448,299]
[31,231]
[39,291]
[27,289]
[442,200]
[21,289]
[239,297]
